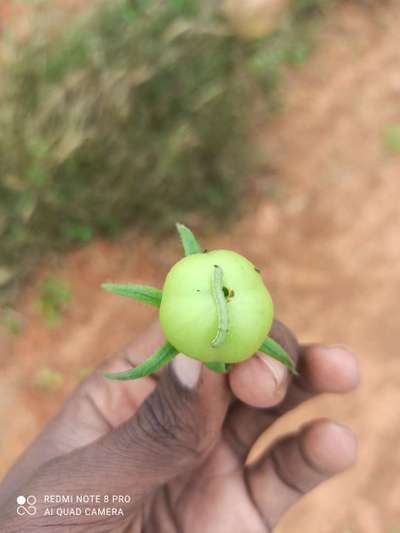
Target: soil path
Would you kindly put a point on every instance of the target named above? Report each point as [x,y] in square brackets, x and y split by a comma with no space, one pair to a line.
[328,244]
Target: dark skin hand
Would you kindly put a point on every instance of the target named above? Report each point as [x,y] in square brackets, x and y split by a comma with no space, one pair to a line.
[177,442]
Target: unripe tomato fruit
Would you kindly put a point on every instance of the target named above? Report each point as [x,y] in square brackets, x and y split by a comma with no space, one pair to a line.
[214,307]
[188,312]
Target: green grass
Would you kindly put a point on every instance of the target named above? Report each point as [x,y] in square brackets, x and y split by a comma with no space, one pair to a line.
[11,322]
[138,114]
[48,380]
[53,300]
[392,139]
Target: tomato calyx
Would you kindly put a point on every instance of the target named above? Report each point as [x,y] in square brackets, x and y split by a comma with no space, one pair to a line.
[222,296]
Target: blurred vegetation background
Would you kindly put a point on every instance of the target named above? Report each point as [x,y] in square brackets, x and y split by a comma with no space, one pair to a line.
[119,117]
[137,113]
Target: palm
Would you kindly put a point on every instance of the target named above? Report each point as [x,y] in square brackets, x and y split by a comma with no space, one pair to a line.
[214,497]
[217,493]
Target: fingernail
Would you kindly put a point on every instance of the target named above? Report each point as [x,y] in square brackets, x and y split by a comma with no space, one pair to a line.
[187,371]
[336,426]
[340,447]
[340,347]
[278,371]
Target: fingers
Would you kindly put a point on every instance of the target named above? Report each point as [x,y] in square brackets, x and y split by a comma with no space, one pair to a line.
[297,464]
[172,432]
[175,427]
[105,404]
[322,369]
[96,407]
[328,368]
[262,381]
[116,401]
[137,351]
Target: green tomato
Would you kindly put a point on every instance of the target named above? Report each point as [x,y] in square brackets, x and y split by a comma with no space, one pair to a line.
[214,307]
[189,312]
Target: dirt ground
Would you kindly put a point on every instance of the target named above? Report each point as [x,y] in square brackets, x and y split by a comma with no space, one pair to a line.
[328,246]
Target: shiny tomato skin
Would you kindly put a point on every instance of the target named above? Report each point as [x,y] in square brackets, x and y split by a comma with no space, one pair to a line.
[188,311]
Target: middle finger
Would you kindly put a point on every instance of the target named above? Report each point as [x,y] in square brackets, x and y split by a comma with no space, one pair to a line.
[322,370]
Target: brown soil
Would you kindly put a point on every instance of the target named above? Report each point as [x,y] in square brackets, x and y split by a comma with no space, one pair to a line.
[328,244]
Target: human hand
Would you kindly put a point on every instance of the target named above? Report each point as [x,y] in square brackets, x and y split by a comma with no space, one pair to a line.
[176,444]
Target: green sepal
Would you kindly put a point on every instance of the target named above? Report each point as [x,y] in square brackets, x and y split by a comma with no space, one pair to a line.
[189,241]
[275,350]
[142,293]
[222,368]
[160,358]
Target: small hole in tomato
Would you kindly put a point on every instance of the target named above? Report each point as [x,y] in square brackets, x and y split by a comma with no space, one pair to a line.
[228,293]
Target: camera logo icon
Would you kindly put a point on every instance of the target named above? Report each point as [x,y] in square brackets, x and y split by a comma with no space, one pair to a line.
[26,505]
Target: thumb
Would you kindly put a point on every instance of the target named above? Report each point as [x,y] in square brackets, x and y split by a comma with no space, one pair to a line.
[171,433]
[175,427]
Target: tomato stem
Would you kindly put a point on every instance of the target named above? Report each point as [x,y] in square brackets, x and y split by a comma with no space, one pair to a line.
[221,368]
